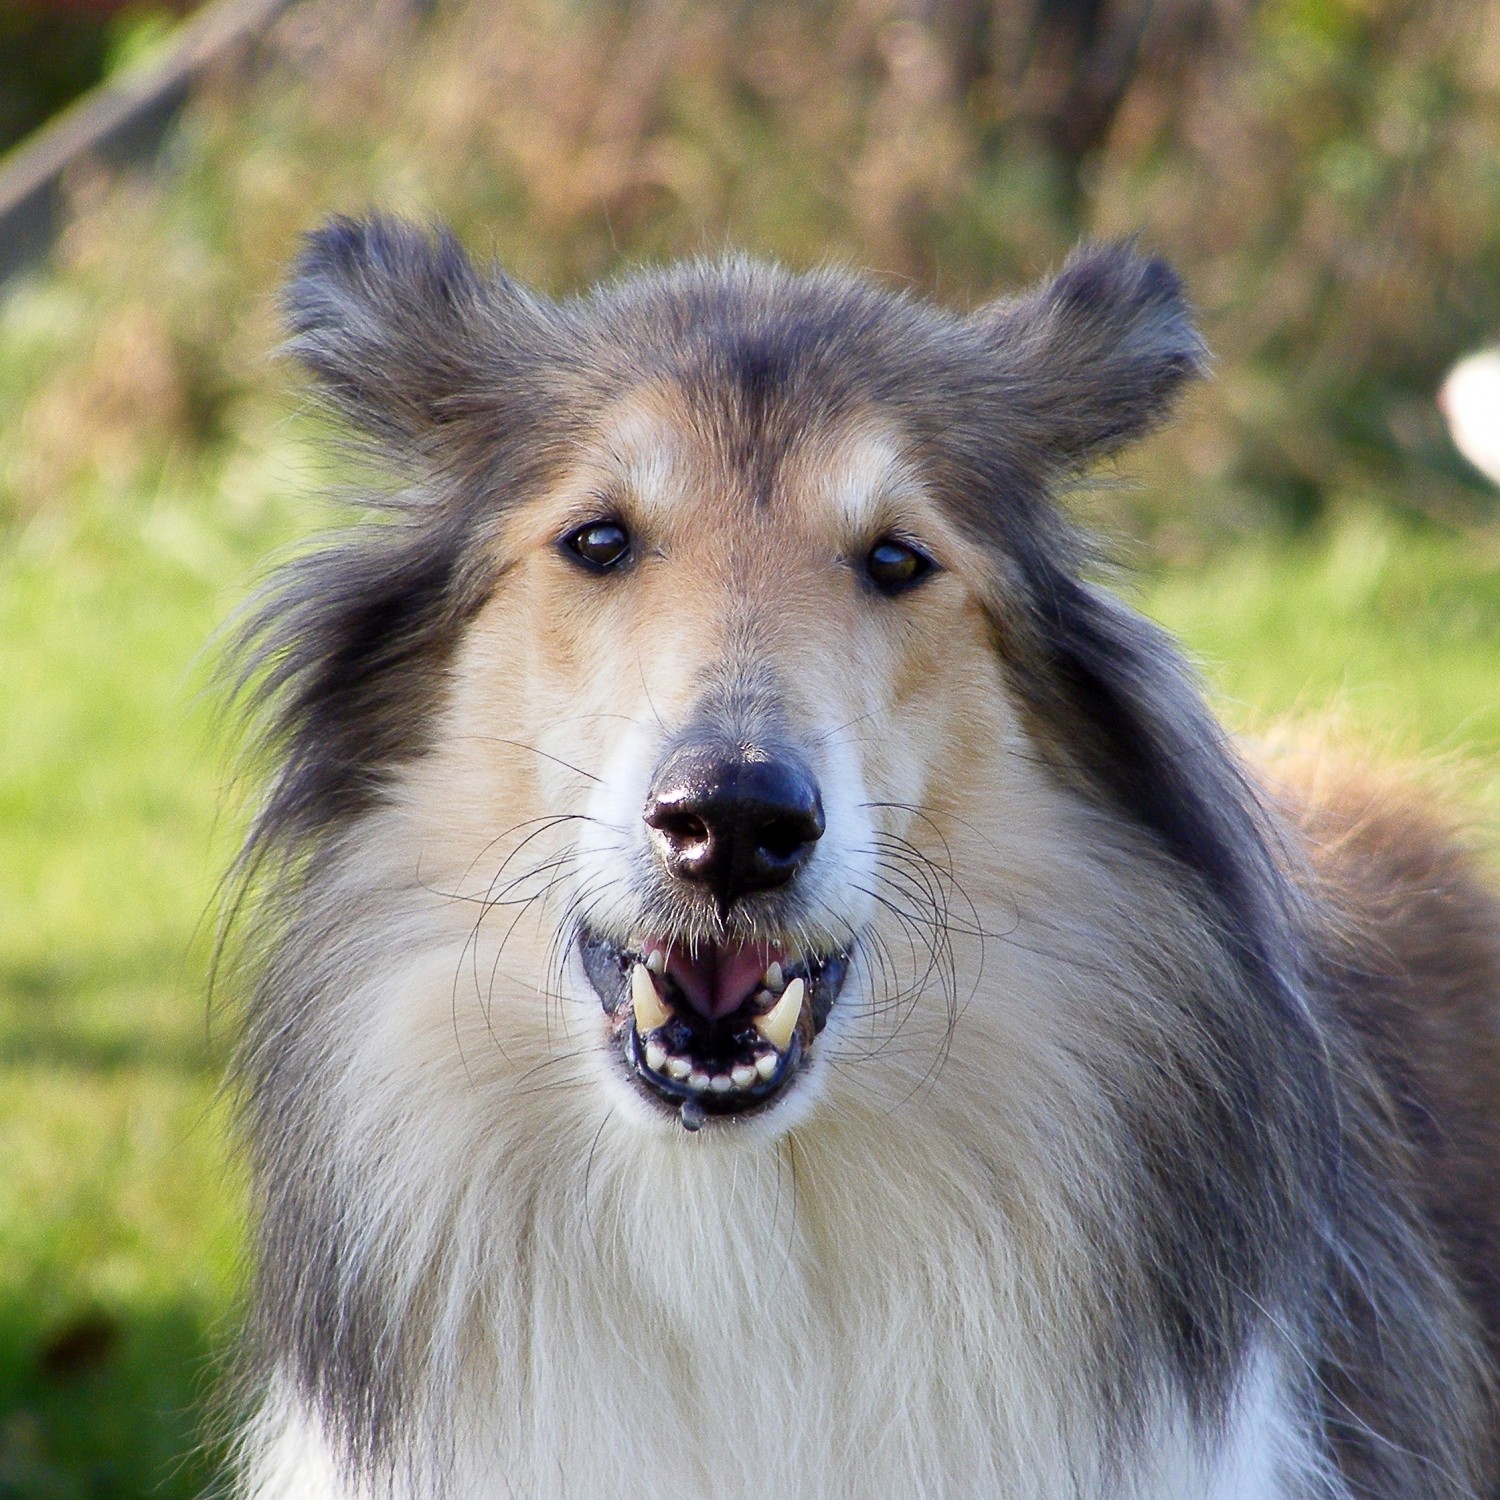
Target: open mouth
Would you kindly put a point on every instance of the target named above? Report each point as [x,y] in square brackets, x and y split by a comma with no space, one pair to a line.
[712,1028]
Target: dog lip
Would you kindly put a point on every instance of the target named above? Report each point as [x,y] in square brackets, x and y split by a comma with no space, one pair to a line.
[692,1095]
[608,970]
[697,1062]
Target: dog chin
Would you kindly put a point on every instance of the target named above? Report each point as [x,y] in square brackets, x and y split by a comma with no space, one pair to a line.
[712,1034]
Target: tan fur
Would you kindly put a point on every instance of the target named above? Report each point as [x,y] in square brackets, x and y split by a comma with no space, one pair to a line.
[1148,1152]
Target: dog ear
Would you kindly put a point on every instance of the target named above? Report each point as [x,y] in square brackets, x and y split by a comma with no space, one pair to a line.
[1094,357]
[401,330]
[438,363]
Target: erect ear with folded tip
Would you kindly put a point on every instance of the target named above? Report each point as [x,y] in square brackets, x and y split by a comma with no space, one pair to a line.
[403,333]
[1094,357]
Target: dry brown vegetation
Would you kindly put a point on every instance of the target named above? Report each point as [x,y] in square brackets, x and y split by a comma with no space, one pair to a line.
[1327,173]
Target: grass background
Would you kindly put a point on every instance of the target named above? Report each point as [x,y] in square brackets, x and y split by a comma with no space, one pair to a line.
[152,458]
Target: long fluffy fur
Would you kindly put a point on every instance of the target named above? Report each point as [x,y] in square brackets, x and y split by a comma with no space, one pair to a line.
[1116,1172]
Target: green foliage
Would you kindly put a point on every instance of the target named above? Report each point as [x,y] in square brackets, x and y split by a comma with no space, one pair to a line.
[1381,637]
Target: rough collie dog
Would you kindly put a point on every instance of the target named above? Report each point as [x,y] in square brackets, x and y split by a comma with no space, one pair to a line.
[771,982]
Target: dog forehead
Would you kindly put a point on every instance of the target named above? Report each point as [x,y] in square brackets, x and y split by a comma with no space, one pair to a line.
[675,461]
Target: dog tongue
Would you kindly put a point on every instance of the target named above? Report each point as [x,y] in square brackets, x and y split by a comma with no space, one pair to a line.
[718,979]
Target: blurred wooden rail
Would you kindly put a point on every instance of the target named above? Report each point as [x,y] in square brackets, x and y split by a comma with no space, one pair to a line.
[121,120]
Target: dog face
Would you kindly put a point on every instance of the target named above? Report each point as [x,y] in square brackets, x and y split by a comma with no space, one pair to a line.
[762,686]
[711,604]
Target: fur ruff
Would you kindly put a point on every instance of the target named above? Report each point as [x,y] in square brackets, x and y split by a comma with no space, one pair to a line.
[1125,1166]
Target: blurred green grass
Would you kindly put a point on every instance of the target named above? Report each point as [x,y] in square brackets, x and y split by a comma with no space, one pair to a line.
[149,465]
[1380,637]
[119,1211]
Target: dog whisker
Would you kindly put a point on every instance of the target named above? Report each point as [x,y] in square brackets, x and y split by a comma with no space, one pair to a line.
[495,739]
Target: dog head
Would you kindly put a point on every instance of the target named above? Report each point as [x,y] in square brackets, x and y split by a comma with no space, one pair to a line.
[712,609]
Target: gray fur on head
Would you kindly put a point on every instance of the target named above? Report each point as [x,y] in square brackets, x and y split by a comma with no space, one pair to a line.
[407,338]
[469,386]
[1094,357]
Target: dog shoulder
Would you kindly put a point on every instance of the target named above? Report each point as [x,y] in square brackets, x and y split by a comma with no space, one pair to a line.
[1412,964]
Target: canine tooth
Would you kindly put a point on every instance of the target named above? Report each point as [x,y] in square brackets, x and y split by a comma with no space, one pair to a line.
[775,979]
[656,961]
[742,1075]
[766,1064]
[778,1023]
[678,1067]
[721,1083]
[649,1011]
[697,1080]
[656,1056]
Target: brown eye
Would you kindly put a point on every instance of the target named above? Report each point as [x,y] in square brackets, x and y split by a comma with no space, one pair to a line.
[599,545]
[894,565]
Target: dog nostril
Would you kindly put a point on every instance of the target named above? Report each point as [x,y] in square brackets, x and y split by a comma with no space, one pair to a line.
[784,838]
[682,829]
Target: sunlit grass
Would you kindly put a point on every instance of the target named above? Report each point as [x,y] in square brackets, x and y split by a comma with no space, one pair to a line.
[1389,634]
[119,1208]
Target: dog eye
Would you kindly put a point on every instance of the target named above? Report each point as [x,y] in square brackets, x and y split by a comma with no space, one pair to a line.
[894,565]
[600,544]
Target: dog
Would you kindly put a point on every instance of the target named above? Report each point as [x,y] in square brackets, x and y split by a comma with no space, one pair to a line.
[768,979]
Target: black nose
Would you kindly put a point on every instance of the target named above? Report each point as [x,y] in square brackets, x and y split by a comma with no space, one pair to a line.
[736,823]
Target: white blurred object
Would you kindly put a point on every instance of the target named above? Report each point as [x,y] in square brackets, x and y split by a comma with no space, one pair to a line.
[1470,400]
